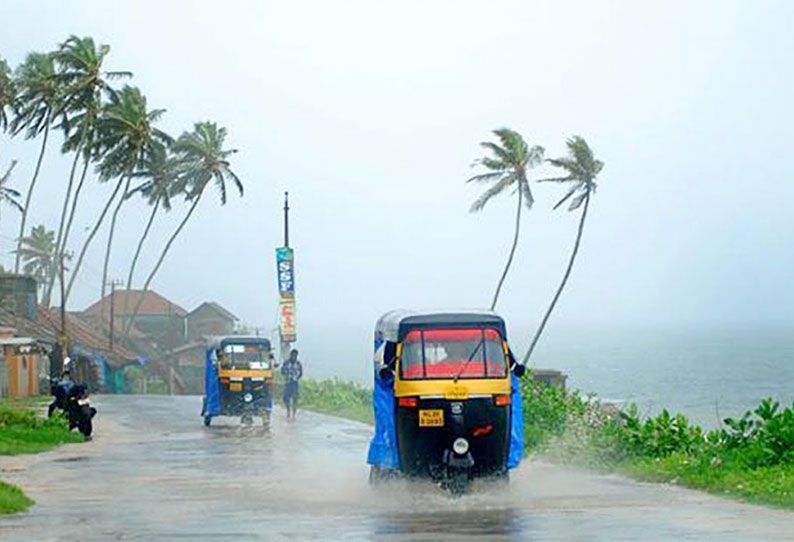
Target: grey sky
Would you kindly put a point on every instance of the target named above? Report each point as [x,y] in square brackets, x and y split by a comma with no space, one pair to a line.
[370,114]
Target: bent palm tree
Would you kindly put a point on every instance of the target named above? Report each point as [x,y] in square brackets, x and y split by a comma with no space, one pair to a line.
[126,134]
[8,93]
[37,105]
[581,169]
[37,252]
[160,171]
[80,73]
[8,195]
[204,160]
[508,165]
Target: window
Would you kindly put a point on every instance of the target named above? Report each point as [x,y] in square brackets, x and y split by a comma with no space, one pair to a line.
[447,353]
[245,356]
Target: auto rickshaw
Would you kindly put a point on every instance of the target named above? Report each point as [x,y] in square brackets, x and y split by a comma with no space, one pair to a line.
[446,397]
[238,378]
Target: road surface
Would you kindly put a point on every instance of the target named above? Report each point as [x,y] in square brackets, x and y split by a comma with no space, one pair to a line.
[153,472]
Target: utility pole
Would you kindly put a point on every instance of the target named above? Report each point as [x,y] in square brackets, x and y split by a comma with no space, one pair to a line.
[63,298]
[286,219]
[62,348]
[112,285]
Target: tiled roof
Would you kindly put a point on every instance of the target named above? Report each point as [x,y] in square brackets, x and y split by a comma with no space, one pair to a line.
[83,334]
[217,308]
[124,303]
[28,328]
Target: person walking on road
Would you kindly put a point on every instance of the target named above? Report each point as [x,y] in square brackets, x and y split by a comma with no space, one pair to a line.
[292,370]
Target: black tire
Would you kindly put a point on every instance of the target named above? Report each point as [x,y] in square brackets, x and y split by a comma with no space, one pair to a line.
[207,421]
[86,427]
[246,419]
[458,482]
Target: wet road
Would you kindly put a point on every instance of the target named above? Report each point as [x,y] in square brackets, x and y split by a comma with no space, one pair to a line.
[154,472]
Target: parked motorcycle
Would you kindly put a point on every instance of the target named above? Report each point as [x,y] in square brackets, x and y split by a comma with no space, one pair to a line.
[73,400]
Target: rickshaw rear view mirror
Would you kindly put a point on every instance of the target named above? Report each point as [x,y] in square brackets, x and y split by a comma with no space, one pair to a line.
[519,370]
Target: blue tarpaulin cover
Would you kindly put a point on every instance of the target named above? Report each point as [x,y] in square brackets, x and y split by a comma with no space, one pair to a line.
[212,392]
[383,446]
[516,451]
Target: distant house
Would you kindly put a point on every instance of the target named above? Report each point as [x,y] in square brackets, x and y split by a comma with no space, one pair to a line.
[208,319]
[159,320]
[18,294]
[24,365]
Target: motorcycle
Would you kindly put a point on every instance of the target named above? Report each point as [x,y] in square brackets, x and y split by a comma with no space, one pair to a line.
[73,400]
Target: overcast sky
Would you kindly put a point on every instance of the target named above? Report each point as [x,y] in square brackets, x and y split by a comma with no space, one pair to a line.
[370,114]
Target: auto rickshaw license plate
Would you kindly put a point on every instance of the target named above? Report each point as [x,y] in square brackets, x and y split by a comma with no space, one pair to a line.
[431,418]
[235,386]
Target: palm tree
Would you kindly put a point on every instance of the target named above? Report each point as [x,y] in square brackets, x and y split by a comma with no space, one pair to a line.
[160,171]
[126,134]
[507,165]
[80,72]
[8,93]
[8,195]
[37,253]
[581,169]
[203,160]
[36,105]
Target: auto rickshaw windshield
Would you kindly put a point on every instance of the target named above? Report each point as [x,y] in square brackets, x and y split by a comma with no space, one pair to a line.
[452,353]
[245,356]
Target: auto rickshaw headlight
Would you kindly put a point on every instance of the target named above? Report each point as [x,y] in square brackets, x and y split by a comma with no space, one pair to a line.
[460,446]
[248,397]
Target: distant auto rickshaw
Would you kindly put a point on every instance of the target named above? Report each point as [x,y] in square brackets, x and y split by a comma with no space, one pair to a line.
[446,397]
[238,378]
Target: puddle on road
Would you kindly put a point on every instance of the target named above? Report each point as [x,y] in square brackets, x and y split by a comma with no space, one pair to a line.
[74,459]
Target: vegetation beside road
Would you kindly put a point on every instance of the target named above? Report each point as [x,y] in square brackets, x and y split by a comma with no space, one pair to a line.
[750,458]
[23,432]
[339,398]
[12,499]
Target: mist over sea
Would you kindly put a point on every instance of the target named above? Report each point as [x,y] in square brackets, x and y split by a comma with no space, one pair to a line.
[706,372]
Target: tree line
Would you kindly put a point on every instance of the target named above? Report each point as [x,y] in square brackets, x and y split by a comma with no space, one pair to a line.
[507,166]
[112,136]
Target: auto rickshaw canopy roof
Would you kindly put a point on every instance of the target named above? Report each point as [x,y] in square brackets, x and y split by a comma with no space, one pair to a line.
[393,325]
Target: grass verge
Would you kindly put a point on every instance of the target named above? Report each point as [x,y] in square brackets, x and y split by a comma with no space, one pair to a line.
[23,432]
[751,458]
[12,499]
[336,397]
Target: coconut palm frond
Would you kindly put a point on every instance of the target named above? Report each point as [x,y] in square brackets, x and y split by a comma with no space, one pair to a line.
[503,183]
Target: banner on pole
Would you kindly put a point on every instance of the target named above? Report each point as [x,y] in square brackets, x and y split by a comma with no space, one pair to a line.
[286,288]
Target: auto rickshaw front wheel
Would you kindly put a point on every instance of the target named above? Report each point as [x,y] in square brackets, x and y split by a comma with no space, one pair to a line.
[457,482]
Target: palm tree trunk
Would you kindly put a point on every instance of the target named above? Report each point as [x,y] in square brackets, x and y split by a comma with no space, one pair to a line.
[47,290]
[61,247]
[90,238]
[30,191]
[110,235]
[158,264]
[562,284]
[140,244]
[86,163]
[512,251]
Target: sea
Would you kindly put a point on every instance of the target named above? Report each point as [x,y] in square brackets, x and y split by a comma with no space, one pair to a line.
[707,373]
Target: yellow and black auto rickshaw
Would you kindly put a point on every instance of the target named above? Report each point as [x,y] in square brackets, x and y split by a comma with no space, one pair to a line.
[238,378]
[446,397]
